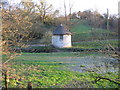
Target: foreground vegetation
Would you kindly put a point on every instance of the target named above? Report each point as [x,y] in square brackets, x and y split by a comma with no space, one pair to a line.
[49,70]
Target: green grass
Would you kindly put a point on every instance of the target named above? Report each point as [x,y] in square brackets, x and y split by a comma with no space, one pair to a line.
[47,70]
[45,76]
[80,32]
[50,57]
[96,44]
[80,28]
[83,32]
[49,77]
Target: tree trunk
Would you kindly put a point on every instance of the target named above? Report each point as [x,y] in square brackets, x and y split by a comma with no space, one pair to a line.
[107,19]
[6,82]
[29,87]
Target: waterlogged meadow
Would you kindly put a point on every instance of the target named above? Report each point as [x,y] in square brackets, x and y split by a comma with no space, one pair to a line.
[62,70]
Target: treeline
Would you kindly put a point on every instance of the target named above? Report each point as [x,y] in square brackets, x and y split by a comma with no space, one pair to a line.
[97,20]
[29,18]
[40,19]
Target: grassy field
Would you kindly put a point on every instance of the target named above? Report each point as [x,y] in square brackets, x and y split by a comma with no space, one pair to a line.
[49,70]
[83,32]
[96,44]
[66,69]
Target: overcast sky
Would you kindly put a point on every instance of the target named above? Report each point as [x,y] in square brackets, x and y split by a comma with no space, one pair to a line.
[81,5]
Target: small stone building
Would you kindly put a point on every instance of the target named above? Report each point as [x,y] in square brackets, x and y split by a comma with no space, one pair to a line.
[61,37]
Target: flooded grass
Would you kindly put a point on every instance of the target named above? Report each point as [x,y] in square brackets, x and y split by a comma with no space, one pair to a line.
[63,69]
[71,60]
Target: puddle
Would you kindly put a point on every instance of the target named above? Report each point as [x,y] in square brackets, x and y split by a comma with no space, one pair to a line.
[93,63]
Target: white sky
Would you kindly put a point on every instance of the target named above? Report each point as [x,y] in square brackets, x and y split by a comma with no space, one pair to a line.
[81,5]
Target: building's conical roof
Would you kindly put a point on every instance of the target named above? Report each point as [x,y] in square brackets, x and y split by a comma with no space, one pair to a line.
[60,30]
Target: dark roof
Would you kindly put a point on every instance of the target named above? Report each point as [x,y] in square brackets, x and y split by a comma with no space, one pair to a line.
[61,30]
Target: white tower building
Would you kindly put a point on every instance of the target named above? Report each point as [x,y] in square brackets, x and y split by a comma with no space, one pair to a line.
[61,37]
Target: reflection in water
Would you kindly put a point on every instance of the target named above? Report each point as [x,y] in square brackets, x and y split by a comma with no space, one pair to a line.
[97,64]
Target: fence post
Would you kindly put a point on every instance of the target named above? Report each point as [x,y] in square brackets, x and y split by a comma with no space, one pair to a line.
[6,81]
[29,87]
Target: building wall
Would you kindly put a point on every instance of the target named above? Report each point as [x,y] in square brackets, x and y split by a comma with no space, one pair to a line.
[61,42]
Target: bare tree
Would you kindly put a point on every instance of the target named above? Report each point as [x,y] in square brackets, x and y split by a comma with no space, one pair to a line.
[44,10]
[107,19]
[70,11]
[65,13]
[15,30]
